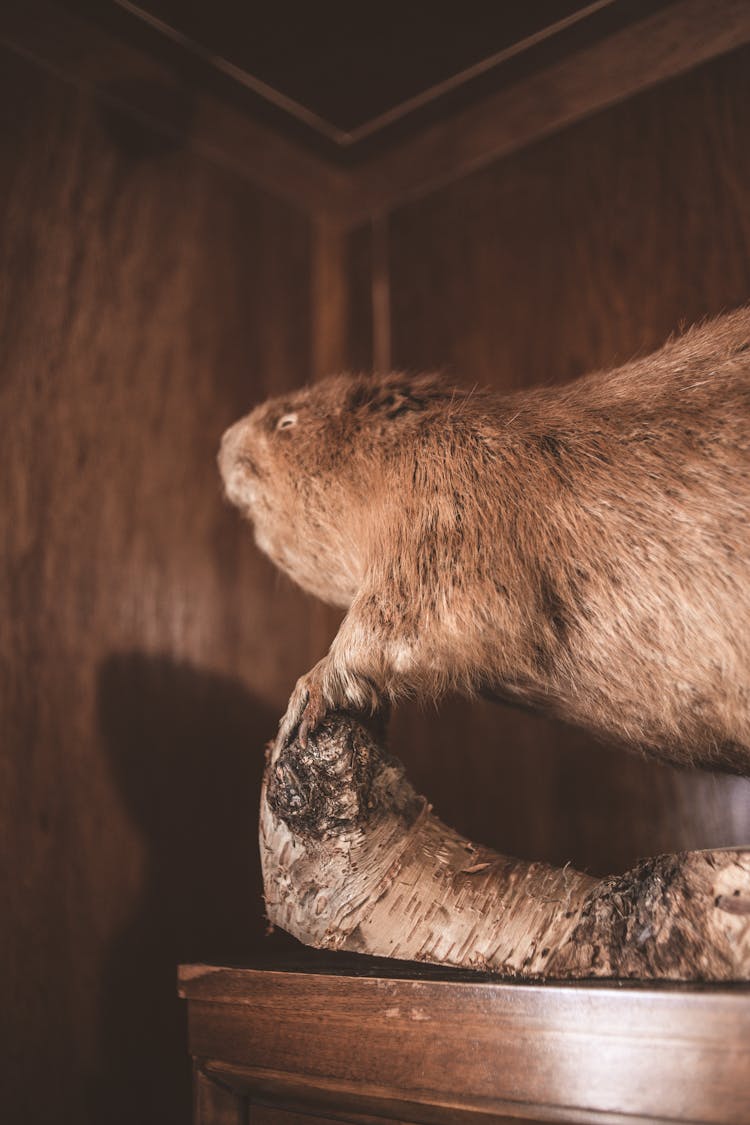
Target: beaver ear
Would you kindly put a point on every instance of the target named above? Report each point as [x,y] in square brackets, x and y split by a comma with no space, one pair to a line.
[392,401]
[396,396]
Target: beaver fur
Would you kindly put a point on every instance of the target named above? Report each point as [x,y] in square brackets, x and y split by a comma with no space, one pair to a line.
[582,549]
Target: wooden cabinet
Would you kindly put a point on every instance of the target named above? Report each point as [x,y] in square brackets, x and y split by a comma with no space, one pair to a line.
[169,258]
[323,1039]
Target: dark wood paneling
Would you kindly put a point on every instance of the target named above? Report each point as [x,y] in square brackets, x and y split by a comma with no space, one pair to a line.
[147,648]
[576,254]
[359,337]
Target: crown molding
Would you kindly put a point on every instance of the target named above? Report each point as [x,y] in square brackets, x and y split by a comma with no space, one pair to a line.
[654,49]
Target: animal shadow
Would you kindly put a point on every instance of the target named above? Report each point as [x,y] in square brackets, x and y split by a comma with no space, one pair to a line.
[186,750]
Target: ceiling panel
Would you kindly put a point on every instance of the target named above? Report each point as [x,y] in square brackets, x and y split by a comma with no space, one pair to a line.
[348,78]
[348,64]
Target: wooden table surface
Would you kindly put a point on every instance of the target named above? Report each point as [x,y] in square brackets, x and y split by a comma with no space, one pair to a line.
[320,1037]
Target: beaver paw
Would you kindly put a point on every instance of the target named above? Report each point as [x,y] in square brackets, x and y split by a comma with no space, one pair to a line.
[321,691]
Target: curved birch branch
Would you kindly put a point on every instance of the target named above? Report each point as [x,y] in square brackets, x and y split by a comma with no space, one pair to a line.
[354,859]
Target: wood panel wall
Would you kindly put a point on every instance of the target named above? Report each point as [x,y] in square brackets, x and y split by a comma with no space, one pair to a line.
[146,648]
[577,253]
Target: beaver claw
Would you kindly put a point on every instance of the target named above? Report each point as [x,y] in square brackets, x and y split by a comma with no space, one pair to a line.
[305,711]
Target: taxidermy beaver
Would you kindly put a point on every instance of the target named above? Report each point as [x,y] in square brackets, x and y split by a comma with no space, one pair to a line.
[582,549]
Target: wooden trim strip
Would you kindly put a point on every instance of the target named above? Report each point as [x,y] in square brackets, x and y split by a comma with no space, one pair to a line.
[237,74]
[372,1103]
[668,43]
[492,62]
[84,55]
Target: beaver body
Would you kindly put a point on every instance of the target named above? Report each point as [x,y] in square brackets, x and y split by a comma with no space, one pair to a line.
[582,549]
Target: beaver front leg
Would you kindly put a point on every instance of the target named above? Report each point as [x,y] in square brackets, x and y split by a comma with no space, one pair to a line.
[367,666]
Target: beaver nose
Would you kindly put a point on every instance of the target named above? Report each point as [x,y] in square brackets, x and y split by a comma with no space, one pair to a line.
[231,443]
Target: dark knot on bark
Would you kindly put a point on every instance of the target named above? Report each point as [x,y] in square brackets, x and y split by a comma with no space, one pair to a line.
[341,781]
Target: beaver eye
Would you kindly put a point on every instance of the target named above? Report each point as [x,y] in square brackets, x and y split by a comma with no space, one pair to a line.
[285,421]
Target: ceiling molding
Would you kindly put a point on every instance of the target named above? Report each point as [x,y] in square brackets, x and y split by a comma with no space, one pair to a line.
[347,138]
[660,46]
[92,59]
[237,74]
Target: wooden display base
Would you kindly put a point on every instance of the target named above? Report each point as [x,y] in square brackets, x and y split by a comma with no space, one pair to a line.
[322,1038]
[353,859]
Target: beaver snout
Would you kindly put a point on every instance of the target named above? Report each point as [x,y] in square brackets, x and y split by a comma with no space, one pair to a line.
[237,466]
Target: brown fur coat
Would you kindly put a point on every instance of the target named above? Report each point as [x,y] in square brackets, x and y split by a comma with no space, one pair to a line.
[582,549]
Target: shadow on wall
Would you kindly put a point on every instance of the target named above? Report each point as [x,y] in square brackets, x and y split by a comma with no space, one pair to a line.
[185,748]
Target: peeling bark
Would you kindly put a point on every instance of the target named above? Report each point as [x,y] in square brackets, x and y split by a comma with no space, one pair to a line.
[354,859]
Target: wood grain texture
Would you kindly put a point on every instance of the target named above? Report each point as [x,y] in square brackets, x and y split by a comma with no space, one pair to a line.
[359,271]
[573,255]
[447,1050]
[330,298]
[146,651]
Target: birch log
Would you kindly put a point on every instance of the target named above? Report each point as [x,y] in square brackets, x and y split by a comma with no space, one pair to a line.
[354,859]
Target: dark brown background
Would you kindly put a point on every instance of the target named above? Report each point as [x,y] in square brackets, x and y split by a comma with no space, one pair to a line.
[148,298]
